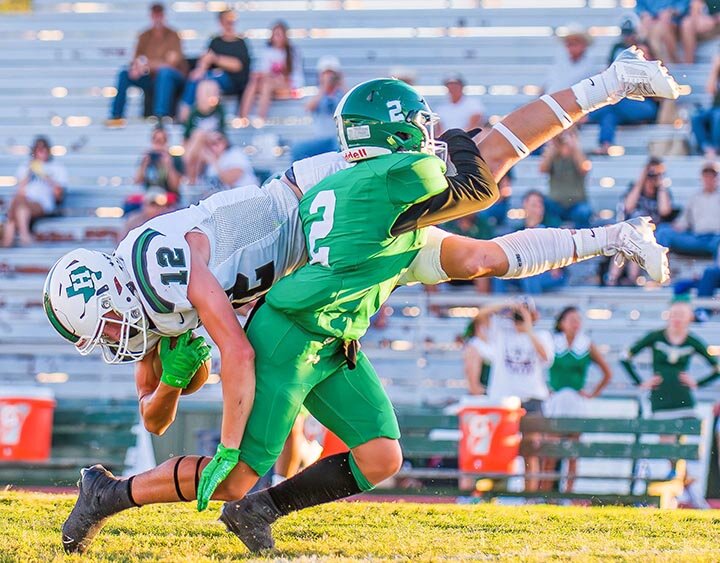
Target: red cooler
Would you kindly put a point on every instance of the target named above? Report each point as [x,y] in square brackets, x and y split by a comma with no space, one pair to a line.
[26,419]
[490,439]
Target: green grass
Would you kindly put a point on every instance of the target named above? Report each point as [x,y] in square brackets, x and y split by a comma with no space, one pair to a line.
[30,531]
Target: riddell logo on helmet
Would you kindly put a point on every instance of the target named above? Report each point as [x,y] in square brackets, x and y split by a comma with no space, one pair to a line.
[355,154]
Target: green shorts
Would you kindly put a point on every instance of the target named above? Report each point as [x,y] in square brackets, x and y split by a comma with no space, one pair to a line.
[295,367]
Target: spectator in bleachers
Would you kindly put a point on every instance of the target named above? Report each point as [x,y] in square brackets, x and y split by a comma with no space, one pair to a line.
[157,169]
[155,202]
[41,187]
[573,64]
[649,196]
[225,166]
[659,23]
[574,353]
[158,67]
[628,36]
[404,73]
[697,230]
[706,121]
[477,369]
[207,116]
[625,112]
[459,111]
[518,355]
[701,23]
[321,106]
[534,211]
[278,75]
[226,61]
[567,166]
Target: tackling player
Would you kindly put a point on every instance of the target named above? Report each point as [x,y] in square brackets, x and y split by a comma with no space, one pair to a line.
[404,187]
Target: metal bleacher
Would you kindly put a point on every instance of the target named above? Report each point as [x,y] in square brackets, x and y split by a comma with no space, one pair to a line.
[59,64]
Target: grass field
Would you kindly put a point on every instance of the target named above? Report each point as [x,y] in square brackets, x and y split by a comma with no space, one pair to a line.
[30,531]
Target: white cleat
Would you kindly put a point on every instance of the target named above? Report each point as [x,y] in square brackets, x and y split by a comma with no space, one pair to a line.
[635,240]
[639,78]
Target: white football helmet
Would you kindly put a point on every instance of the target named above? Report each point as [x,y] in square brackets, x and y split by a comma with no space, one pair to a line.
[87,291]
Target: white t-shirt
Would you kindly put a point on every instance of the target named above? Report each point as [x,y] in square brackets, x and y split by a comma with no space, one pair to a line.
[272,61]
[38,189]
[234,157]
[456,116]
[565,73]
[516,370]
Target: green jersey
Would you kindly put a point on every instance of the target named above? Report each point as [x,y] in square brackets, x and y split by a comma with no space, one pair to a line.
[354,260]
[570,367]
[669,361]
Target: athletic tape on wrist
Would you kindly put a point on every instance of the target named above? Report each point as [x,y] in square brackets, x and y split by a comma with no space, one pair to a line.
[563,116]
[520,147]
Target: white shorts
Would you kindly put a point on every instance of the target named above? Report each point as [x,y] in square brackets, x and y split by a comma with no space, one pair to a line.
[426,267]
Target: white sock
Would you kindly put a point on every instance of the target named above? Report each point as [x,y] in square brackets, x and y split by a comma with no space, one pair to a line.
[534,251]
[598,91]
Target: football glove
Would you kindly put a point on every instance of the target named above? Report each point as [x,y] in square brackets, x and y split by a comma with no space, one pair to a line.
[215,473]
[181,361]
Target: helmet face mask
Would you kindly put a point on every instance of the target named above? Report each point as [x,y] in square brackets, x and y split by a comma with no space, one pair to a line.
[90,300]
[385,116]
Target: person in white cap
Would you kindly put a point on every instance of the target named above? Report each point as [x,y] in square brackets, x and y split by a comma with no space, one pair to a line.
[459,111]
[573,63]
[322,107]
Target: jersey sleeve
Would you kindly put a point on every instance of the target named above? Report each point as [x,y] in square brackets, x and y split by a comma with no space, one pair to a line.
[626,361]
[471,188]
[701,348]
[414,178]
[160,264]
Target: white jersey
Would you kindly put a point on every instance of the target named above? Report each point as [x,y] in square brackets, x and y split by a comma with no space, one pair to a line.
[255,237]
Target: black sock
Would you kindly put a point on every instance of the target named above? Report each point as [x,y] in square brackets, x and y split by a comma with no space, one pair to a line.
[324,481]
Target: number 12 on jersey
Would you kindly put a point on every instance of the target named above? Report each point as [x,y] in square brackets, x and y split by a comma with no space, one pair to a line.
[321,228]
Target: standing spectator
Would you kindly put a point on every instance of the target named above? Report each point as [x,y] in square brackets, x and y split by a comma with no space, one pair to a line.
[226,166]
[207,116]
[158,67]
[574,353]
[155,202]
[706,121]
[476,368]
[573,64]
[567,166]
[697,230]
[628,36]
[322,107]
[701,24]
[534,208]
[518,355]
[226,61]
[659,21]
[459,111]
[279,73]
[650,197]
[625,112]
[41,187]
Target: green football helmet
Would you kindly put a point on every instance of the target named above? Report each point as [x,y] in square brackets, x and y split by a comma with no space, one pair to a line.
[385,116]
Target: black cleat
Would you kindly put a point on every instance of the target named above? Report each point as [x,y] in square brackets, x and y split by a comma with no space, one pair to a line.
[250,519]
[101,495]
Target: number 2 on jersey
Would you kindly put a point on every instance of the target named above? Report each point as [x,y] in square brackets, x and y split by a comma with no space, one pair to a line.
[324,200]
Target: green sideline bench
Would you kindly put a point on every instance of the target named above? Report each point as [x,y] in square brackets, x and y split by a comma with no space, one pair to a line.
[428,436]
[84,433]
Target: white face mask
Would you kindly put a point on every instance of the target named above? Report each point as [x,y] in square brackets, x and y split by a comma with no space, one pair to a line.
[426,121]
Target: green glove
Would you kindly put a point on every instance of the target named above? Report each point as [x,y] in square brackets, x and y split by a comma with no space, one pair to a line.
[179,363]
[215,473]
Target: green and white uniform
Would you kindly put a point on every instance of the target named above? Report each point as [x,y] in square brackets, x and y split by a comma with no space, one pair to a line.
[567,377]
[671,398]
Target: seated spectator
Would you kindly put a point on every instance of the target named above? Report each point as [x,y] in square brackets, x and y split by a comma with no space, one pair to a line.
[459,111]
[41,187]
[573,64]
[534,208]
[226,166]
[158,67]
[648,197]
[567,166]
[628,36]
[659,21]
[518,355]
[574,353]
[226,61]
[706,121]
[701,23]
[697,230]
[157,169]
[207,116]
[322,107]
[625,112]
[279,74]
[155,202]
